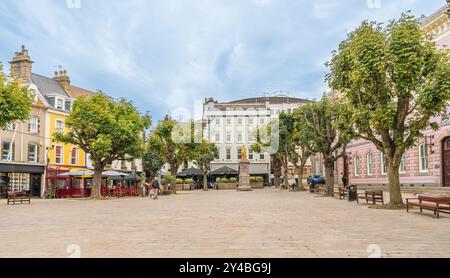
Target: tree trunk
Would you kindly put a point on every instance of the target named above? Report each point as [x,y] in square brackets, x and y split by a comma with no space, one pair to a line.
[277,173]
[286,173]
[395,193]
[205,181]
[173,172]
[300,177]
[96,191]
[329,176]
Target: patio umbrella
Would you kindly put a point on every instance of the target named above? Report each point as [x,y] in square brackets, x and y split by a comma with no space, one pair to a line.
[191,172]
[77,173]
[111,173]
[225,171]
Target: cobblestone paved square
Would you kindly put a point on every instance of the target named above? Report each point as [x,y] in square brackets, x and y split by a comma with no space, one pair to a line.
[264,223]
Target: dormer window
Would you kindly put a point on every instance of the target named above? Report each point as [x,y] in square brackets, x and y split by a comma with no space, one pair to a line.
[59,103]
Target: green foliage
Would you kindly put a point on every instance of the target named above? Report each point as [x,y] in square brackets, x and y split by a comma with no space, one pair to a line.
[232,180]
[203,154]
[256,179]
[180,181]
[168,179]
[189,181]
[15,100]
[152,162]
[393,80]
[225,180]
[105,128]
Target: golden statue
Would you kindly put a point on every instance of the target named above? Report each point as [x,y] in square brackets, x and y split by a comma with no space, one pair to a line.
[243,153]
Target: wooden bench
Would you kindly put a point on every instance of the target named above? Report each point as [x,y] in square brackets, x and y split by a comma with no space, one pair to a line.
[372,196]
[341,192]
[435,204]
[18,198]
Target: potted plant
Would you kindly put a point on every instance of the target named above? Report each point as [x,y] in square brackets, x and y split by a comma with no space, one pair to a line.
[227,184]
[257,182]
[187,185]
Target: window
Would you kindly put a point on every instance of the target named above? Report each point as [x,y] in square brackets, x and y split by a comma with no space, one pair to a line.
[19,182]
[383,165]
[59,126]
[369,164]
[59,154]
[262,156]
[402,168]
[262,121]
[32,153]
[218,137]
[74,156]
[423,158]
[239,137]
[7,151]
[11,126]
[33,125]
[218,121]
[229,121]
[228,136]
[239,121]
[357,166]
[447,145]
[250,155]
[250,121]
[59,103]
[251,136]
[239,153]
[228,157]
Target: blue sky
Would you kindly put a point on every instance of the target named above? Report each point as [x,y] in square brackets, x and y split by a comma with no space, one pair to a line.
[162,54]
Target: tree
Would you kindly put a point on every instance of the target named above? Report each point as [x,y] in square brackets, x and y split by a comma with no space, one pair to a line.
[107,129]
[152,162]
[15,100]
[173,142]
[394,81]
[318,121]
[303,144]
[203,154]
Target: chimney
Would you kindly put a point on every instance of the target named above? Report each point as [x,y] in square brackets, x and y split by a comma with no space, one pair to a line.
[63,78]
[21,65]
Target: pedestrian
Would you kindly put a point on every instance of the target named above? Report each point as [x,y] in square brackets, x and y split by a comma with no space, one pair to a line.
[156,189]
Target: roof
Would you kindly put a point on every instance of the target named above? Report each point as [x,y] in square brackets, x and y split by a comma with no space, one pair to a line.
[76,92]
[272,100]
[47,85]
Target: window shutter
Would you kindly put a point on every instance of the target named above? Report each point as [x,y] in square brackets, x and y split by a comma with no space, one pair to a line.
[37,153]
[39,125]
[29,126]
[13,151]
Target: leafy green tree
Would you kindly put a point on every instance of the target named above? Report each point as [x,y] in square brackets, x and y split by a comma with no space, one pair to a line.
[107,129]
[173,142]
[15,100]
[318,120]
[152,162]
[203,154]
[394,80]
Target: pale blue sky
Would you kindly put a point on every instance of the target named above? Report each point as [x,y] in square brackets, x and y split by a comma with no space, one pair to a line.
[163,53]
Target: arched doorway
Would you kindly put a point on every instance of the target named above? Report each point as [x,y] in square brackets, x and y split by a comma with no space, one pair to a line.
[446,162]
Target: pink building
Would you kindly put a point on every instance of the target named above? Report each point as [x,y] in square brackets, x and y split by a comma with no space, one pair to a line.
[428,163]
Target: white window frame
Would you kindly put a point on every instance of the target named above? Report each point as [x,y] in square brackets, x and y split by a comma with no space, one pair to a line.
[35,152]
[229,121]
[250,121]
[217,137]
[217,121]
[369,160]
[10,151]
[251,154]
[62,154]
[11,126]
[229,136]
[239,153]
[34,126]
[402,169]
[63,125]
[76,156]
[240,136]
[57,100]
[383,165]
[262,156]
[357,166]
[423,160]
[228,153]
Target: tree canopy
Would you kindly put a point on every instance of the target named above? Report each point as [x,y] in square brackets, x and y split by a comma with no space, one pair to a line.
[15,100]
[393,80]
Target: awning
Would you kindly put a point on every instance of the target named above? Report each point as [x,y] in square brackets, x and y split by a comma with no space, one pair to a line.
[19,168]
[225,171]
[191,172]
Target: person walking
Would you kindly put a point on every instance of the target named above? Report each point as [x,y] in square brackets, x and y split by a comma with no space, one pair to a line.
[156,188]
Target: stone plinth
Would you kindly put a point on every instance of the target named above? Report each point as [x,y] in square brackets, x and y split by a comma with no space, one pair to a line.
[244,176]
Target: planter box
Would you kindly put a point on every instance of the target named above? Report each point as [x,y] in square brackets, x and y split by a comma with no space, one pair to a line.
[227,186]
[257,185]
[184,187]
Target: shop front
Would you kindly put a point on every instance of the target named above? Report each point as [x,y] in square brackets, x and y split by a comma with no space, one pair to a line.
[21,178]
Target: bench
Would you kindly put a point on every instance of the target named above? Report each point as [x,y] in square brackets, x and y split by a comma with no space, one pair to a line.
[341,193]
[18,198]
[320,189]
[372,196]
[435,204]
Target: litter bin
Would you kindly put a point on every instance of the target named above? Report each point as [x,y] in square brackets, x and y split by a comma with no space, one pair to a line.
[352,193]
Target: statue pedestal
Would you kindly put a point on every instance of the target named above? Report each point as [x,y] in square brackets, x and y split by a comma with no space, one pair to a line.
[244,176]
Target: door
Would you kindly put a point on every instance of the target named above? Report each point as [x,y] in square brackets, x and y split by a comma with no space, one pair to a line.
[446,162]
[36,185]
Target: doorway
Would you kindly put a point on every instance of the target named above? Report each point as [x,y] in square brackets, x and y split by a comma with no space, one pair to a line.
[36,185]
[446,162]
